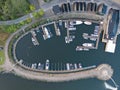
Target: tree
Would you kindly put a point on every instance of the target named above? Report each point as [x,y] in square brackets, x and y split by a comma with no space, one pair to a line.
[32,8]
[41,12]
[12,9]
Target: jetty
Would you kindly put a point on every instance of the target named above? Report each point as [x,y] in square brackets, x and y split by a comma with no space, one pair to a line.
[102,72]
[57,29]
[69,38]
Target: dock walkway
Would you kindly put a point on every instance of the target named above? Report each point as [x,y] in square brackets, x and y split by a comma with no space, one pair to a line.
[57,30]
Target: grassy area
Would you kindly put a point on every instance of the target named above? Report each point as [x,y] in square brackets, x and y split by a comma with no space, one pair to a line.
[2,57]
[12,9]
[3,37]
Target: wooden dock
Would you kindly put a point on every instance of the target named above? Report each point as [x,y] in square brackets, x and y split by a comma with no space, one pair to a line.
[57,29]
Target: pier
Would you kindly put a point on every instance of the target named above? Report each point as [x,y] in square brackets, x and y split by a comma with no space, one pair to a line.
[69,38]
[57,29]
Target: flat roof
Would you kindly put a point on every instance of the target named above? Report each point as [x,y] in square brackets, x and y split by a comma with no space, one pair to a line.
[113,24]
[56,9]
[110,46]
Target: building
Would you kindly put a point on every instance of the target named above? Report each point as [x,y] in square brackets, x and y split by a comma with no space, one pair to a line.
[110,46]
[56,9]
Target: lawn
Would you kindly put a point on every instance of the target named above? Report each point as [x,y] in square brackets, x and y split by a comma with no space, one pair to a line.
[2,57]
[3,37]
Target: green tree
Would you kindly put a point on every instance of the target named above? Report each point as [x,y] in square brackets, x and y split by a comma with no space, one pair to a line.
[32,8]
[41,12]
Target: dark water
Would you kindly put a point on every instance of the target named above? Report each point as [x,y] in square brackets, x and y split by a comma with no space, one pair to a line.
[56,50]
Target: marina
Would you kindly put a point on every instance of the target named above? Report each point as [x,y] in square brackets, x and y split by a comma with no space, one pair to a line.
[49,52]
[69,32]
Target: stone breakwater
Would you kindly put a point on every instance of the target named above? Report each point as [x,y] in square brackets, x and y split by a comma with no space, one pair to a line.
[102,72]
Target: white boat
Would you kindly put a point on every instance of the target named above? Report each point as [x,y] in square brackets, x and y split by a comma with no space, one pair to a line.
[46,32]
[72,67]
[88,44]
[79,48]
[80,65]
[21,61]
[87,23]
[67,40]
[85,49]
[72,28]
[39,65]
[66,25]
[60,22]
[78,22]
[75,65]
[33,41]
[47,64]
[34,66]
[68,66]
[86,34]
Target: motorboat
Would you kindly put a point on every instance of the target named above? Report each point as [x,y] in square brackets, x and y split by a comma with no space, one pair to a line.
[47,65]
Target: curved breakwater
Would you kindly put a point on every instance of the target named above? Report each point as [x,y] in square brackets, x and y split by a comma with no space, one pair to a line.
[102,72]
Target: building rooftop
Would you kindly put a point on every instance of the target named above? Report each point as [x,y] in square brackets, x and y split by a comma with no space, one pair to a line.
[110,46]
[56,9]
[113,24]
